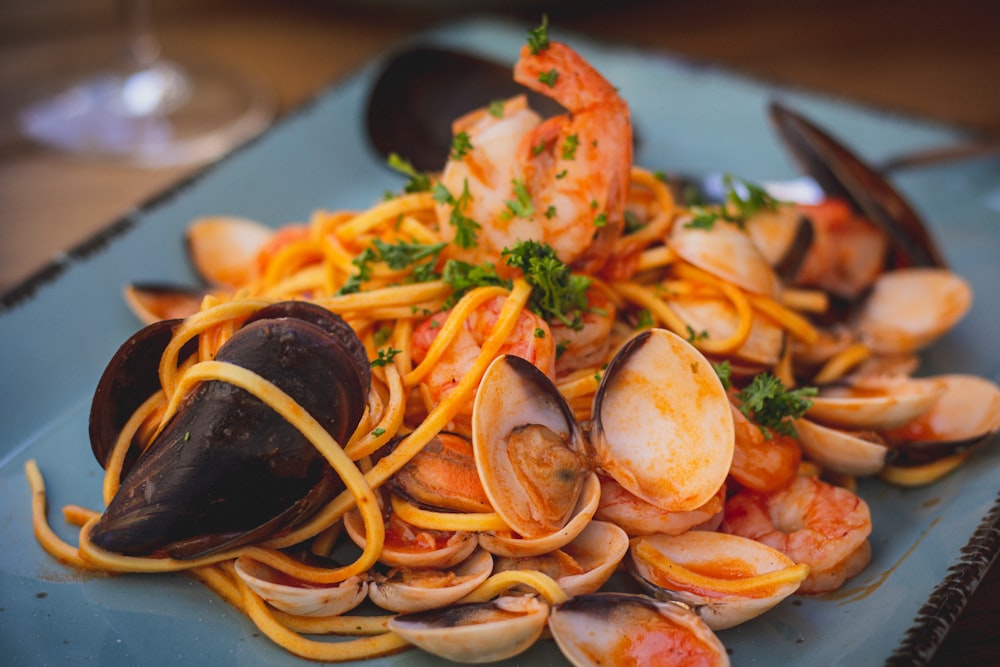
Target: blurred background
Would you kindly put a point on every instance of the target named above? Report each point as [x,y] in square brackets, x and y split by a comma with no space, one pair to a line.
[921,57]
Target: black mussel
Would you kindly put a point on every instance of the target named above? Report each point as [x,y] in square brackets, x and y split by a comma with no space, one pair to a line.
[227,470]
[129,379]
[421,90]
[842,174]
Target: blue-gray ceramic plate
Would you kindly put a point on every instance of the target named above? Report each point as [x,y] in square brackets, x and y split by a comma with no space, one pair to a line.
[930,545]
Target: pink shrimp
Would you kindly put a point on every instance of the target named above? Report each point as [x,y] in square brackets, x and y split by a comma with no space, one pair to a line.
[567,182]
[530,339]
[810,521]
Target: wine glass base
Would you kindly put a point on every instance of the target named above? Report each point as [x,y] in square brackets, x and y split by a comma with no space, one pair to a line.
[168,114]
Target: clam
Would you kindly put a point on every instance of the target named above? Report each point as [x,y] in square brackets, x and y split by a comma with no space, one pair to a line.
[846,452]
[610,629]
[662,422]
[583,565]
[227,470]
[507,543]
[966,413]
[152,302]
[874,402]
[408,590]
[301,598]
[726,579]
[908,309]
[529,450]
[718,319]
[476,633]
[224,249]
[407,546]
[725,251]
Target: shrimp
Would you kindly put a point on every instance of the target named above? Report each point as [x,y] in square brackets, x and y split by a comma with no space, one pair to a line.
[637,517]
[759,463]
[530,339]
[810,521]
[567,181]
[587,346]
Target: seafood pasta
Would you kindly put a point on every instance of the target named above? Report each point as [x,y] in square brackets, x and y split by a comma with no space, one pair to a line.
[468,406]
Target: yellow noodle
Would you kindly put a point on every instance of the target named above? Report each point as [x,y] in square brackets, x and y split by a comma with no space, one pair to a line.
[52,543]
[838,365]
[387,210]
[113,465]
[447,521]
[497,583]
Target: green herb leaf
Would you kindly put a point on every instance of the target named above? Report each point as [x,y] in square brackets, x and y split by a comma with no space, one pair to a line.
[522,207]
[385,356]
[538,38]
[723,370]
[495,108]
[569,147]
[549,78]
[419,181]
[771,406]
[557,293]
[460,145]
[463,276]
[465,227]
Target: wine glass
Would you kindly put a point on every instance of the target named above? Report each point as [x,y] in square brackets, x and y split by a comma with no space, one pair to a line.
[147,110]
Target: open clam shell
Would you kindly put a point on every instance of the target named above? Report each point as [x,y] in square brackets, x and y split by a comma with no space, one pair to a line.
[663,428]
[637,517]
[848,453]
[516,546]
[476,633]
[223,249]
[530,452]
[435,549]
[878,402]
[966,413]
[726,579]
[908,309]
[583,565]
[408,590]
[610,629]
[726,251]
[290,595]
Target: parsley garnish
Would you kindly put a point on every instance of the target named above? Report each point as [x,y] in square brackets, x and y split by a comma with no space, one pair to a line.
[549,78]
[703,218]
[377,431]
[644,319]
[768,403]
[463,276]
[419,182]
[695,336]
[522,207]
[601,220]
[385,356]
[723,370]
[570,146]
[557,293]
[382,336]
[538,38]
[465,227]
[756,198]
[495,108]
[460,145]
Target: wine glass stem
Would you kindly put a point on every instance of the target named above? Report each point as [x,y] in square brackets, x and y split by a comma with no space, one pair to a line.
[142,49]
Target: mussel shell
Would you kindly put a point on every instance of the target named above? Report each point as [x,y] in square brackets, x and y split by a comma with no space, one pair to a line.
[227,470]
[131,377]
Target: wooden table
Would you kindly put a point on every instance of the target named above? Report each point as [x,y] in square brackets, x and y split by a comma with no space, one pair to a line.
[931,59]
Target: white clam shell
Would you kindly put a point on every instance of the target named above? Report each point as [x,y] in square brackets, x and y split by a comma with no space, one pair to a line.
[610,629]
[840,451]
[663,428]
[878,402]
[422,590]
[534,487]
[725,251]
[910,308]
[223,248]
[718,318]
[724,558]
[596,552]
[302,599]
[458,547]
[476,633]
[506,544]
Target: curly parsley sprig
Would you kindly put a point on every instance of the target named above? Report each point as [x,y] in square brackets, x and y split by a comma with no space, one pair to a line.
[768,403]
[557,294]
